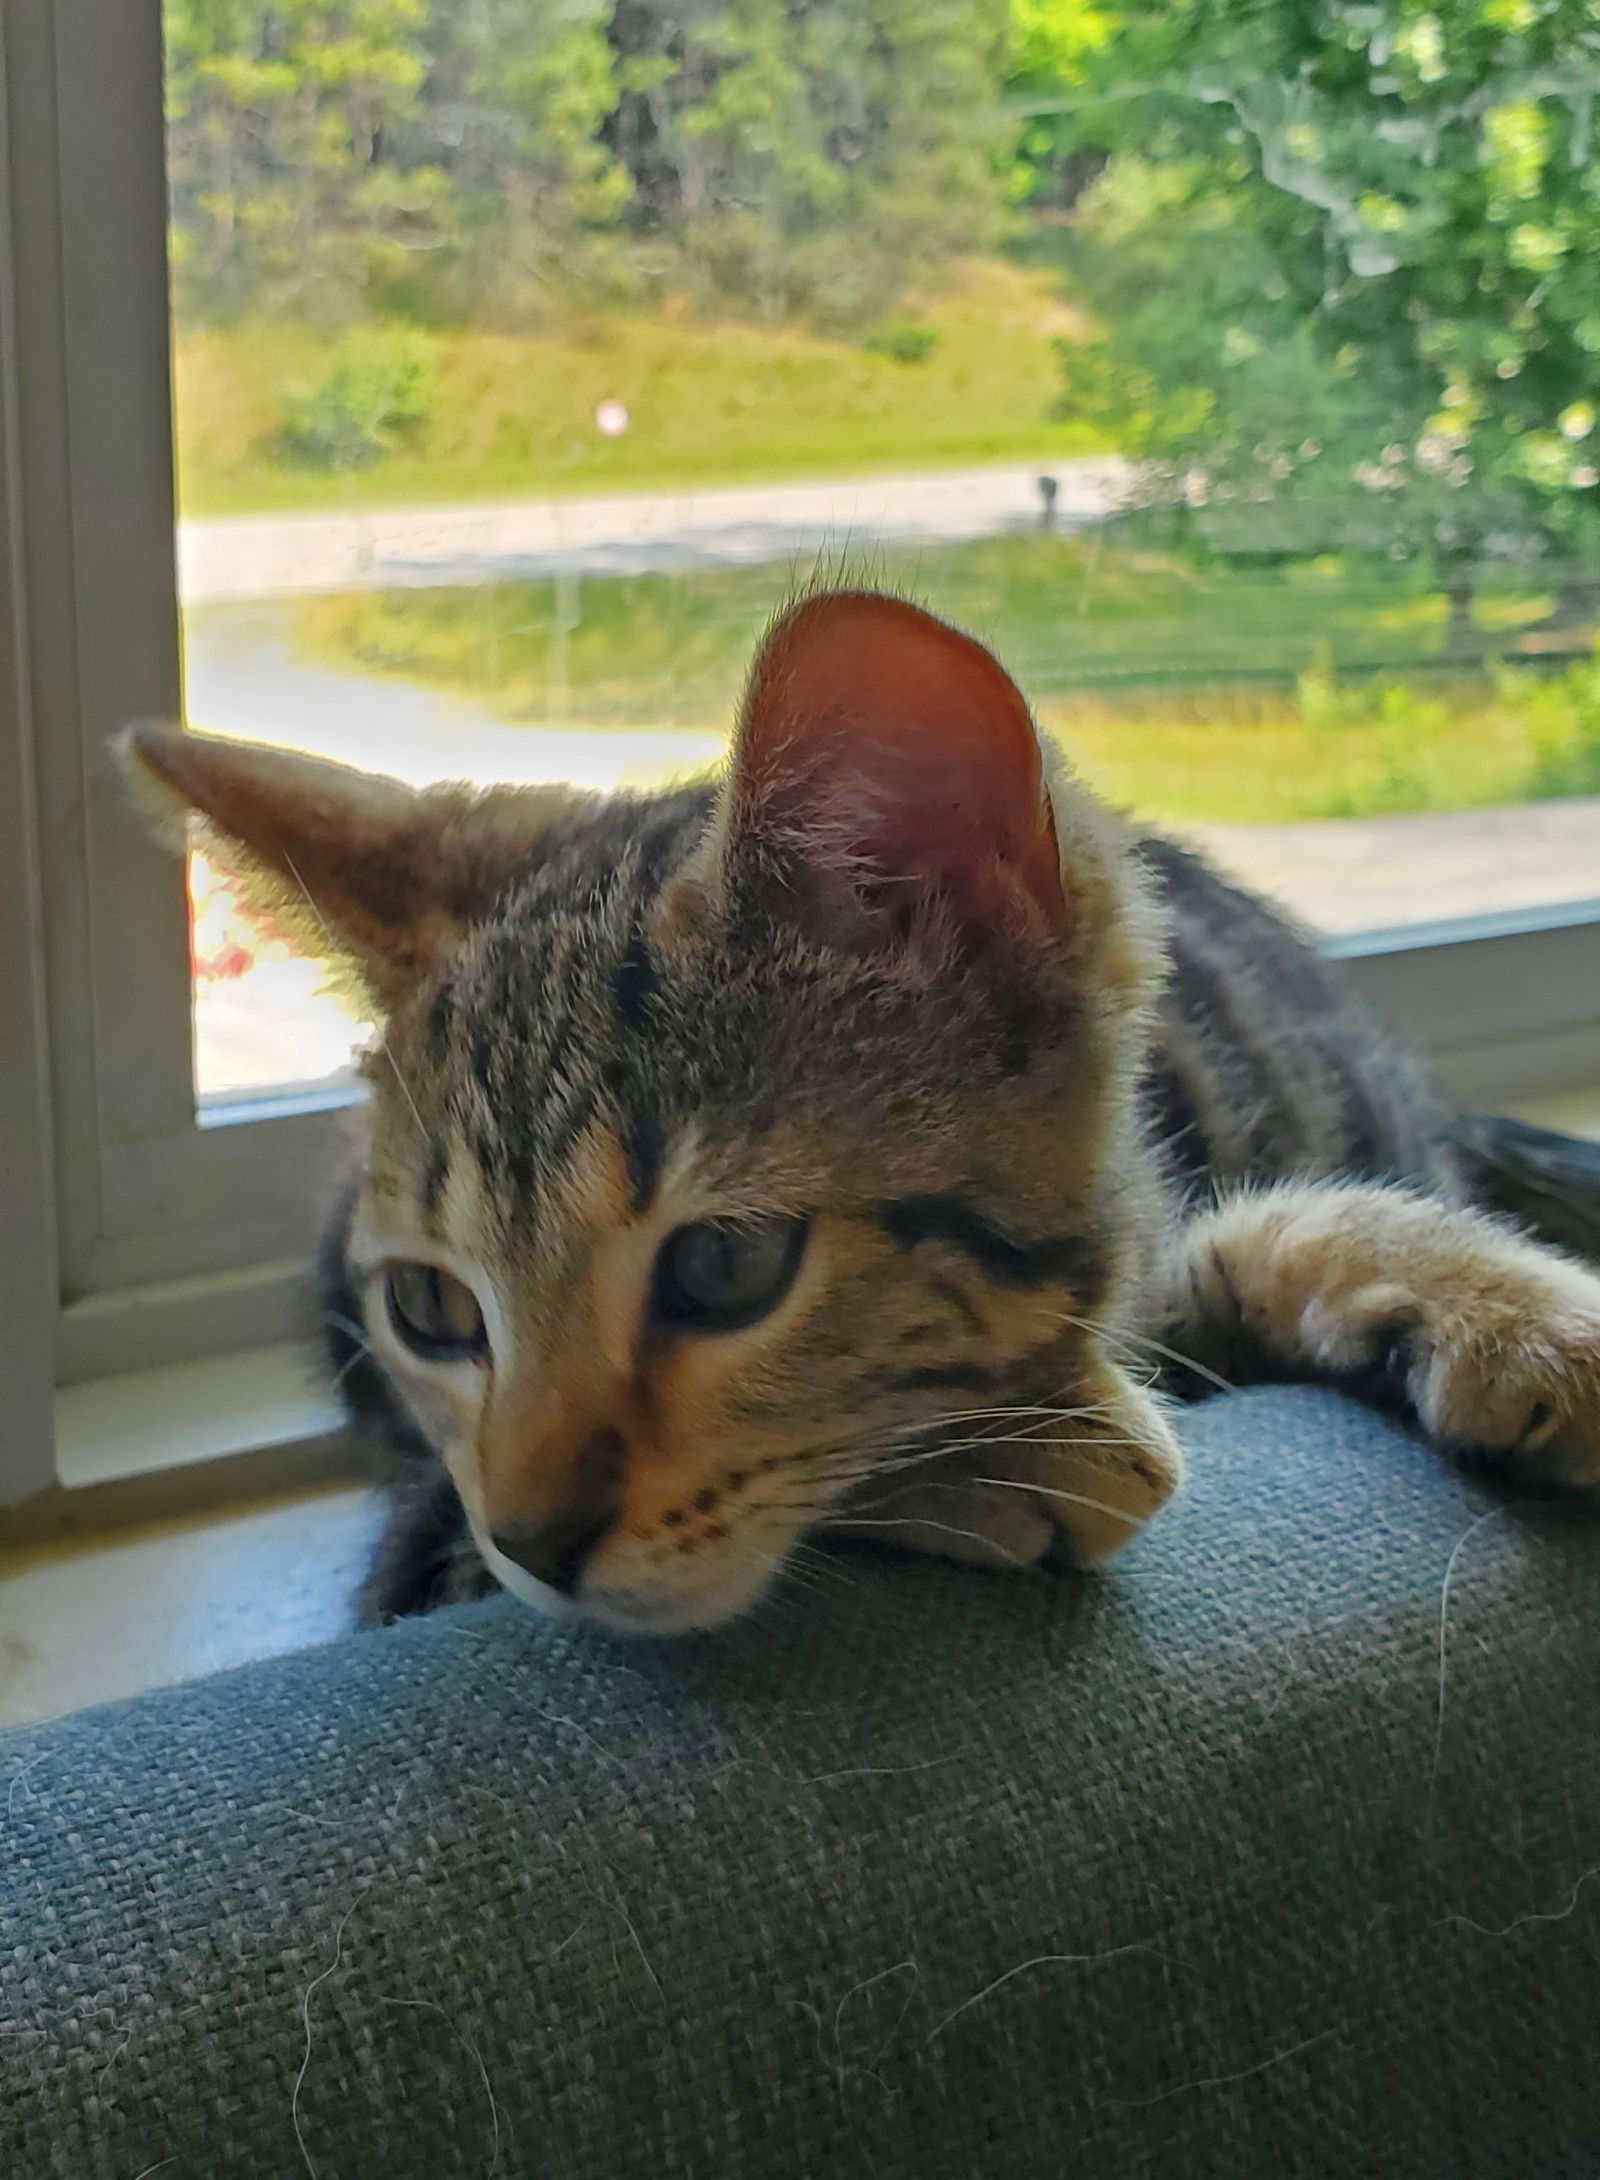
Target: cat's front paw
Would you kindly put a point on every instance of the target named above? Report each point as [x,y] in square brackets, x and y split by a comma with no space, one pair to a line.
[1079,1479]
[952,1516]
[1512,1371]
[1099,1472]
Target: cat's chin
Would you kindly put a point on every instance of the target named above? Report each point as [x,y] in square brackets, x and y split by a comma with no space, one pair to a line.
[667,1616]
[526,1588]
[624,1612]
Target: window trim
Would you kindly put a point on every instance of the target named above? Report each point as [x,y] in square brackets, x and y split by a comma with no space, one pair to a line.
[28,1282]
[1503,1006]
[147,1194]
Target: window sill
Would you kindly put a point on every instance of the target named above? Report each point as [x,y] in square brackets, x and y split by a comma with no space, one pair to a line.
[149,1444]
[194,1412]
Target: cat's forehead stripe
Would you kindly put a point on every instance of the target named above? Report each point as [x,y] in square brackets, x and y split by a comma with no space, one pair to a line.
[634,983]
[943,1378]
[435,1172]
[1046,1260]
[441,1019]
[643,1152]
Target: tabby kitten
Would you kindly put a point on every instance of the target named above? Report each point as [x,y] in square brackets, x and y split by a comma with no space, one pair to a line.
[847,1144]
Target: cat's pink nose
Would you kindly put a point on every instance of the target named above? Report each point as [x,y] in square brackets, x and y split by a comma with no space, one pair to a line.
[557,1551]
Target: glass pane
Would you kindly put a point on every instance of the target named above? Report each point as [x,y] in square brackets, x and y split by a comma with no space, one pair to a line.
[1232,371]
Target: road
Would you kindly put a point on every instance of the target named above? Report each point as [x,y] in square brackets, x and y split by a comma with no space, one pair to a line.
[240,558]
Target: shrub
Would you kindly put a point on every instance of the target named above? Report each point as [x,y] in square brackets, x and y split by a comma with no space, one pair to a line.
[377,391]
[903,342]
[1565,715]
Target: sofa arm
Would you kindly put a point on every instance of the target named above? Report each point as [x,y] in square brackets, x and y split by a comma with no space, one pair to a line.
[1216,1863]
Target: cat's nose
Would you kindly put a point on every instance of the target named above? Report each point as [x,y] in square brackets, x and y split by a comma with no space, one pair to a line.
[557,1551]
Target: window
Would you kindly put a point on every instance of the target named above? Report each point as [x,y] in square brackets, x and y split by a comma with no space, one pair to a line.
[149,1207]
[453,390]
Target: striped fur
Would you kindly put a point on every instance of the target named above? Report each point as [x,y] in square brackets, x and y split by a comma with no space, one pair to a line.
[1051,1137]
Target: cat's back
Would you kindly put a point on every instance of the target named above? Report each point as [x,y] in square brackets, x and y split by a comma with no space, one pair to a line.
[1269,1064]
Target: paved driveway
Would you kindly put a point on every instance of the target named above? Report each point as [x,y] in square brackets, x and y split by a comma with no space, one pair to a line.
[235,558]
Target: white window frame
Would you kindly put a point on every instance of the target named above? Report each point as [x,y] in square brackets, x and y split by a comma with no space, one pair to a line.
[173,1236]
[136,1236]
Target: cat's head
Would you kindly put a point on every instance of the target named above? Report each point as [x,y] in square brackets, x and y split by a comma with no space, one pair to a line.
[734,1150]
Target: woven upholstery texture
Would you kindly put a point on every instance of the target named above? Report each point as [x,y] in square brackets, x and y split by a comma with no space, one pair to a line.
[1185,1869]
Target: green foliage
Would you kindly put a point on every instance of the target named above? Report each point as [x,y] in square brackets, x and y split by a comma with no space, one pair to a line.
[904,340]
[1174,687]
[1364,240]
[809,159]
[1565,717]
[709,401]
[377,391]
[514,109]
[1400,729]
[494,158]
[1051,55]
[275,117]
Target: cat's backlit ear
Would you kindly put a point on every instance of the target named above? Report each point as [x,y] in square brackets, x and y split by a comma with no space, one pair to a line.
[896,756]
[382,874]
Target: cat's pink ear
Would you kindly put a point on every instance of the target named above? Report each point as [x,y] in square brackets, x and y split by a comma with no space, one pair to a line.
[897,760]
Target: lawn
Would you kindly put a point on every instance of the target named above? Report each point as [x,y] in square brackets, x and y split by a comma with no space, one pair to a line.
[1184,692]
[515,417]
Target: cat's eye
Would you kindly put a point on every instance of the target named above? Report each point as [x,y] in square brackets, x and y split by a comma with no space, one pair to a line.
[433,1313]
[724,1273]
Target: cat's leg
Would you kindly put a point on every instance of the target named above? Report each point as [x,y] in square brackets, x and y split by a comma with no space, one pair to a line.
[423,1556]
[1493,1341]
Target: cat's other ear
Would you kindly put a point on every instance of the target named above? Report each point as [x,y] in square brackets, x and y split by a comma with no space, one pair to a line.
[358,865]
[896,761]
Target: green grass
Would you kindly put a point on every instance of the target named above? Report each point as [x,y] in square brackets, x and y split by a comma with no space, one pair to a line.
[1239,756]
[1183,693]
[707,404]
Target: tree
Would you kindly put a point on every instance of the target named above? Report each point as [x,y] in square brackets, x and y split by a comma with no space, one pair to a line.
[432,157]
[1051,51]
[1350,254]
[811,159]
[277,120]
[513,110]
[450,158]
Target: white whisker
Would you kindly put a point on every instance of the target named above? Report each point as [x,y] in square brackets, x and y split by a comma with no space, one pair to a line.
[1069,1498]
[924,1521]
[868,1469]
[364,1347]
[884,1462]
[1125,1338]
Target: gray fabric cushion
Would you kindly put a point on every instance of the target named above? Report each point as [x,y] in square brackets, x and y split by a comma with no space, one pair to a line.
[1178,1870]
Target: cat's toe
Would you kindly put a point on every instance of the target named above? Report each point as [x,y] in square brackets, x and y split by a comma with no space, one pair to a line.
[1520,1385]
